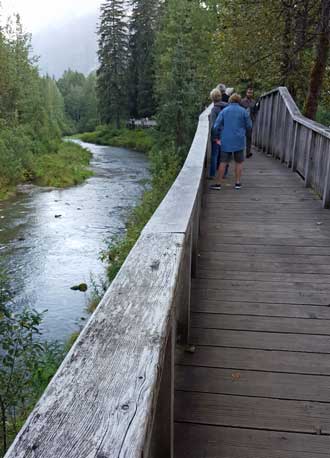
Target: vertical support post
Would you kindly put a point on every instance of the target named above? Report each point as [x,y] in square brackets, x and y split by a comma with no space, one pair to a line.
[294,147]
[269,124]
[195,232]
[326,189]
[184,290]
[162,441]
[290,140]
[264,125]
[309,156]
[273,141]
[284,136]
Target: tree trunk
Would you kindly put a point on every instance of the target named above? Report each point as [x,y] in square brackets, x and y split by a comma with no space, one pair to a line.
[320,63]
[3,426]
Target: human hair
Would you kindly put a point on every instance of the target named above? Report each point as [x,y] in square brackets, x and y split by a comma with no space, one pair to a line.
[230,91]
[215,95]
[235,98]
[249,88]
[222,88]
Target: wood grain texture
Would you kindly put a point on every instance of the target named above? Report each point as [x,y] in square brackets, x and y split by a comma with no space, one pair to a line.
[205,441]
[248,383]
[248,412]
[261,340]
[102,400]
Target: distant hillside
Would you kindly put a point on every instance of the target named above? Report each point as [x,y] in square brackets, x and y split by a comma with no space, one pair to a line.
[73,45]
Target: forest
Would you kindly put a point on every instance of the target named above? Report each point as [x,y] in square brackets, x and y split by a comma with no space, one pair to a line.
[158,60]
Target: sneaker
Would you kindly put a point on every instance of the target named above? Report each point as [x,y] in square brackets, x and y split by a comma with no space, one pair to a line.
[215,187]
[238,185]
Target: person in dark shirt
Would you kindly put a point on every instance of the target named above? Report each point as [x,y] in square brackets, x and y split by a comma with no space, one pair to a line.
[218,105]
[222,88]
[249,103]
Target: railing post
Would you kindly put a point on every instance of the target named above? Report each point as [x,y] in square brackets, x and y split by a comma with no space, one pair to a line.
[294,148]
[284,134]
[162,441]
[274,138]
[326,190]
[184,291]
[309,156]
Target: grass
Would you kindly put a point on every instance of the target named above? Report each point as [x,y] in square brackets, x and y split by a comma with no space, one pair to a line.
[138,139]
[67,167]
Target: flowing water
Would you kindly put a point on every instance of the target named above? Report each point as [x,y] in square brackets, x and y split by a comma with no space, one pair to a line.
[51,239]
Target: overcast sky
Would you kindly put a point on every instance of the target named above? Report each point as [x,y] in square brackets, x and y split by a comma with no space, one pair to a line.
[38,14]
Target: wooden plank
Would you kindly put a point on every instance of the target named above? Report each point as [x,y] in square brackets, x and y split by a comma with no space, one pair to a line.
[311,230]
[197,441]
[103,399]
[175,211]
[260,285]
[261,323]
[248,239]
[261,340]
[260,309]
[212,245]
[283,267]
[307,279]
[259,360]
[245,295]
[249,383]
[247,412]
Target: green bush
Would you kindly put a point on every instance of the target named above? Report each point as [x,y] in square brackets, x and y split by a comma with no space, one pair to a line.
[138,139]
[66,167]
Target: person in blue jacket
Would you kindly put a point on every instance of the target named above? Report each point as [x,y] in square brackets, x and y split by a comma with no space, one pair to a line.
[230,129]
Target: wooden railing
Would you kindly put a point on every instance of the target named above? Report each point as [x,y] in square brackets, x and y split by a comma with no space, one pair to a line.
[304,145]
[113,394]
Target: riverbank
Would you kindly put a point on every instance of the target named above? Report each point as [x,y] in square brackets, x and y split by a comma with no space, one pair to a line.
[164,167]
[66,166]
[138,139]
[51,240]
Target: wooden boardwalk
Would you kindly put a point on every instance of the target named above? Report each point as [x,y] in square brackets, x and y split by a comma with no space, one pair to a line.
[258,384]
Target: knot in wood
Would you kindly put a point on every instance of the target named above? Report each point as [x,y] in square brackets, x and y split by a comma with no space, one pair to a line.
[155,265]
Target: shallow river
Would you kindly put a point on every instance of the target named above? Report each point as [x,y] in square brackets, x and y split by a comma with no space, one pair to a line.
[51,239]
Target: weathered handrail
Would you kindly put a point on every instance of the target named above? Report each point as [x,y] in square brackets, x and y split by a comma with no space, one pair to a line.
[113,394]
[303,144]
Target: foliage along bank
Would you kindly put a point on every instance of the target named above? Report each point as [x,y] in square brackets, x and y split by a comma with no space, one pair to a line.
[32,120]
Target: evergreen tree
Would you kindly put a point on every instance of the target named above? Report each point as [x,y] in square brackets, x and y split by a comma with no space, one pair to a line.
[143,26]
[185,69]
[113,52]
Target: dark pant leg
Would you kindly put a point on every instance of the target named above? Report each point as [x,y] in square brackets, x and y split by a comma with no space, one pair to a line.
[214,159]
[248,142]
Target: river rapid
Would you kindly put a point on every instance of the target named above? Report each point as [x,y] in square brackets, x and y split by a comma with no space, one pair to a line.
[51,239]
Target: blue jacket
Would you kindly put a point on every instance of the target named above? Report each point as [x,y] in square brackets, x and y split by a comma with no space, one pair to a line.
[231,126]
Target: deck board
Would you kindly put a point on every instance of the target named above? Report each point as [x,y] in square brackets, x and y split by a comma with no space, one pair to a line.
[258,383]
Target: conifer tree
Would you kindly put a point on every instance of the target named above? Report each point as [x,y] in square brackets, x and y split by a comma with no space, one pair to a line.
[185,69]
[143,26]
[113,50]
